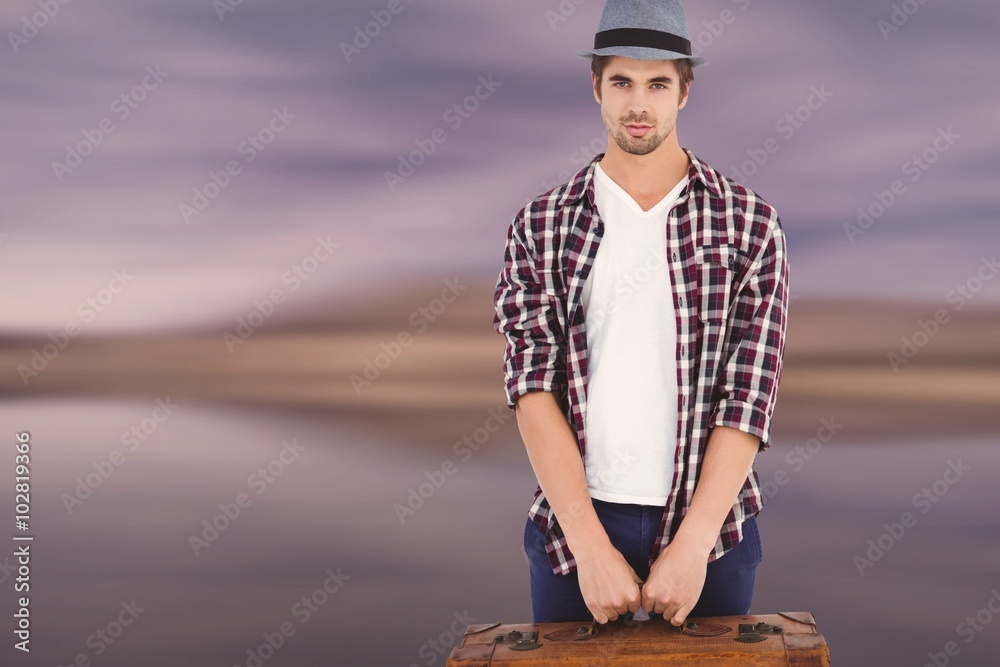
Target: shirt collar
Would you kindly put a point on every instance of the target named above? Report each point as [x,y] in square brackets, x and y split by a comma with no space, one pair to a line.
[583,182]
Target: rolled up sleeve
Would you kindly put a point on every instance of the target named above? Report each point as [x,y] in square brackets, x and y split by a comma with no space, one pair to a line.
[534,357]
[748,383]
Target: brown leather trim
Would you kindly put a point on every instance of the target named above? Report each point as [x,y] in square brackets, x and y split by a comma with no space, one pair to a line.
[806,650]
[473,655]
[572,633]
[704,629]
[800,616]
[480,627]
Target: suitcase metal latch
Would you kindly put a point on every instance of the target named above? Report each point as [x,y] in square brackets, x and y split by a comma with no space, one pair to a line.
[750,633]
[519,641]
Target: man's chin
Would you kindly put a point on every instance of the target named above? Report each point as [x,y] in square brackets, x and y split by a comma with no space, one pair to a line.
[637,148]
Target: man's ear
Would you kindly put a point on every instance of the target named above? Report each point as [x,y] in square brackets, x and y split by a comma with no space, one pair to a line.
[684,99]
[593,84]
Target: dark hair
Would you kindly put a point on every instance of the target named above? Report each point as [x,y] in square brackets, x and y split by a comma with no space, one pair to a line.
[684,71]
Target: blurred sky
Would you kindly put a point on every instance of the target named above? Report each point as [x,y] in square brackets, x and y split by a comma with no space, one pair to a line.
[323,175]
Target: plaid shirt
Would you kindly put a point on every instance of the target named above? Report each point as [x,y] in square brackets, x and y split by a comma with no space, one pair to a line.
[726,256]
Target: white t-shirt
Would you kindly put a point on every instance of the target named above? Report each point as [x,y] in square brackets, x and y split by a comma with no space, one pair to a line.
[631,418]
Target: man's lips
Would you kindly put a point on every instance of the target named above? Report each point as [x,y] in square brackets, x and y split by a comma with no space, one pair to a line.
[637,130]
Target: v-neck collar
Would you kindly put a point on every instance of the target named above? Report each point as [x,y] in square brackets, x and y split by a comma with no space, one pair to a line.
[582,183]
[627,198]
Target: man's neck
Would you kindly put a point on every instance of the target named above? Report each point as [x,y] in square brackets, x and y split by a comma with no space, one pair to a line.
[646,177]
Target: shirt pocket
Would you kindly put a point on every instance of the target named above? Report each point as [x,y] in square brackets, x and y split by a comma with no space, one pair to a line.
[715,265]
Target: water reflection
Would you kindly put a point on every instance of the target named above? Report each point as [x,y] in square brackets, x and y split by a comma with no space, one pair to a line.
[306,552]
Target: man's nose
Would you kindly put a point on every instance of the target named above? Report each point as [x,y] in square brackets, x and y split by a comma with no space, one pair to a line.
[638,103]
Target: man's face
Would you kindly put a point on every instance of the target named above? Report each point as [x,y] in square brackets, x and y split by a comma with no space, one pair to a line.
[639,93]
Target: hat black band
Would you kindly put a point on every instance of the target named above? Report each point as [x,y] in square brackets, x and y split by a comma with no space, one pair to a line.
[654,39]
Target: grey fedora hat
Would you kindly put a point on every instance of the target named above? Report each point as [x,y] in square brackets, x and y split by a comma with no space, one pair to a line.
[644,30]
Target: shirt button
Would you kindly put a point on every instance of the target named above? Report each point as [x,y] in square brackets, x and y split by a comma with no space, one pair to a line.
[674,256]
[680,300]
[683,351]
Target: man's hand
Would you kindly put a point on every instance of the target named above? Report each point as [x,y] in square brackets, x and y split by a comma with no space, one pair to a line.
[609,585]
[675,582]
[677,577]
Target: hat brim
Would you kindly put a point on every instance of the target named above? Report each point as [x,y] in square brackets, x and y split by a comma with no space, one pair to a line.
[641,53]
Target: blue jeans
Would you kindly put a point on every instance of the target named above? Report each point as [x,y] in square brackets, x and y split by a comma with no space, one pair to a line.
[632,530]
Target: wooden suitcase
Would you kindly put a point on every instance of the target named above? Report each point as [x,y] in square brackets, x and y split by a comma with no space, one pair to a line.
[786,638]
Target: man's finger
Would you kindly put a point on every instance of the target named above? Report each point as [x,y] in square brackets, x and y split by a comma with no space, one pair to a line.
[669,609]
[681,615]
[647,601]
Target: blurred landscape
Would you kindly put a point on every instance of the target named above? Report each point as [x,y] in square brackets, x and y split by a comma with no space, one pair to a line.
[836,364]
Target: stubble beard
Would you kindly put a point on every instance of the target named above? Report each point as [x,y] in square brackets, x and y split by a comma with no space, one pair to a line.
[634,145]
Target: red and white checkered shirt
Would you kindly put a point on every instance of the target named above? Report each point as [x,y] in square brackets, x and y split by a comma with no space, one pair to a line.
[726,256]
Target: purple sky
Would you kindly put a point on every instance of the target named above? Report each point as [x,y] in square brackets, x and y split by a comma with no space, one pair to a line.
[323,175]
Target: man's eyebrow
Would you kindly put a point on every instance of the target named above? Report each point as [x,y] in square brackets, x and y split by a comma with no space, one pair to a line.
[655,79]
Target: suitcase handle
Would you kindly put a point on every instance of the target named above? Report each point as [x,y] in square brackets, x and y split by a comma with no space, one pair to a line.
[694,627]
[585,630]
[623,622]
[642,616]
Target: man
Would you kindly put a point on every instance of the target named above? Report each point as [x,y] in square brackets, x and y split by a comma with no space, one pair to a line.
[643,305]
